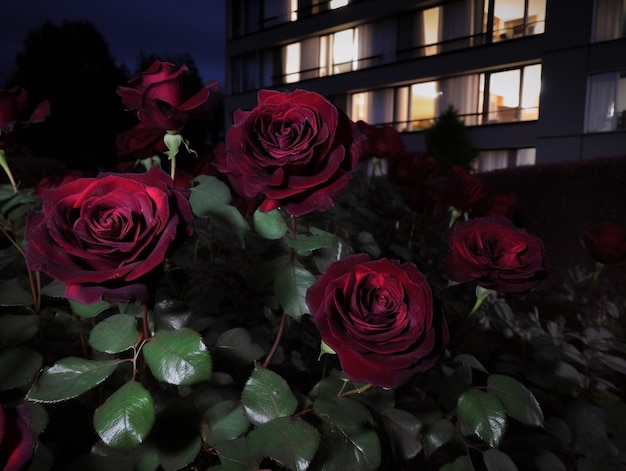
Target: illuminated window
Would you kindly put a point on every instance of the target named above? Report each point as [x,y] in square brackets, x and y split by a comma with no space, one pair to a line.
[430,28]
[293,7]
[610,20]
[488,160]
[338,4]
[342,50]
[292,63]
[606,102]
[359,107]
[508,88]
[517,18]
[423,105]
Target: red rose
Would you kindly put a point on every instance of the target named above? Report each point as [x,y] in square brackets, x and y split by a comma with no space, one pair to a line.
[52,181]
[103,237]
[495,254]
[606,241]
[158,95]
[140,142]
[381,141]
[18,441]
[465,191]
[504,204]
[295,150]
[412,168]
[378,317]
[13,105]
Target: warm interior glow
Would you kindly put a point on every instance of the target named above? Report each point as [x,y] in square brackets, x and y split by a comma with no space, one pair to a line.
[431,29]
[294,10]
[505,86]
[423,104]
[531,88]
[345,47]
[359,107]
[292,63]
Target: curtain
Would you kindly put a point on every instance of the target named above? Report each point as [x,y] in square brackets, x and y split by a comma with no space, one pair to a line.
[601,102]
[457,23]
[608,17]
[462,93]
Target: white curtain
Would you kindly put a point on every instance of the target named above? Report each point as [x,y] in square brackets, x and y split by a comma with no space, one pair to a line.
[608,18]
[462,93]
[601,97]
[310,58]
[492,160]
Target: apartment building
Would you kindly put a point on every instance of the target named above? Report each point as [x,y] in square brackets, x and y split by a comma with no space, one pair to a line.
[534,81]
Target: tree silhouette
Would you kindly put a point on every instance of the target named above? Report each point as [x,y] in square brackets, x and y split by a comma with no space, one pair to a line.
[70,65]
[448,143]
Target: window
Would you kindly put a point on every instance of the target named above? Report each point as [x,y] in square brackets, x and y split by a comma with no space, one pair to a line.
[515,18]
[488,160]
[300,60]
[606,102]
[610,20]
[337,4]
[513,95]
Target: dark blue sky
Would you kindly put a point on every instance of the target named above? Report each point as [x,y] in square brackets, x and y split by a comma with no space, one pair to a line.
[129,26]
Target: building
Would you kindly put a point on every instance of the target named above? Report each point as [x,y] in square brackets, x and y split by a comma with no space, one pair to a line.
[535,81]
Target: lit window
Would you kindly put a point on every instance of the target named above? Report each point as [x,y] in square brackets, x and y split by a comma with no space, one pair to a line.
[606,102]
[338,4]
[292,63]
[293,8]
[510,20]
[504,88]
[488,160]
[359,106]
[430,27]
[345,51]
[531,88]
[423,106]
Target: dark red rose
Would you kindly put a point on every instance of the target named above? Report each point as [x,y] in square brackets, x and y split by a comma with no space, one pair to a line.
[495,254]
[103,237]
[140,142]
[160,98]
[295,150]
[378,317]
[13,116]
[504,204]
[52,181]
[18,441]
[465,191]
[606,241]
[381,141]
[412,168]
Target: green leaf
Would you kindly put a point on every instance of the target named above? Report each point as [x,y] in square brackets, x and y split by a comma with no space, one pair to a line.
[237,345]
[462,463]
[69,378]
[87,311]
[224,421]
[17,328]
[305,245]
[267,396]
[234,456]
[18,365]
[178,357]
[437,435]
[173,460]
[518,401]
[288,440]
[126,417]
[54,289]
[470,361]
[12,293]
[403,429]
[342,412]
[211,197]
[270,224]
[484,414]
[114,334]
[548,461]
[290,286]
[356,447]
[496,460]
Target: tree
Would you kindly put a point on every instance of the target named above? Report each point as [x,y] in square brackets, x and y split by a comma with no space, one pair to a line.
[70,65]
[448,143]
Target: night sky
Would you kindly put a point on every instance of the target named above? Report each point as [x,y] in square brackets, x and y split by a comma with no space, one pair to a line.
[130,27]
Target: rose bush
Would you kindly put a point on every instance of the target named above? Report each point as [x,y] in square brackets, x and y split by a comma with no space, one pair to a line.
[103,236]
[495,254]
[17,439]
[140,142]
[160,98]
[14,115]
[294,150]
[378,316]
[606,241]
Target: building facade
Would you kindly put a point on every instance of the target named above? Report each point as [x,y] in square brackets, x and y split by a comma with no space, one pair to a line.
[534,81]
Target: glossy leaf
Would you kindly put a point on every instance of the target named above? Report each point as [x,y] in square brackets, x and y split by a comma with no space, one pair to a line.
[495,460]
[266,396]
[355,447]
[87,311]
[17,328]
[290,286]
[114,334]
[462,463]
[18,366]
[518,401]
[342,412]
[69,378]
[234,456]
[224,421]
[270,224]
[437,435]
[288,440]
[237,345]
[306,244]
[178,357]
[403,429]
[126,417]
[485,415]
[175,459]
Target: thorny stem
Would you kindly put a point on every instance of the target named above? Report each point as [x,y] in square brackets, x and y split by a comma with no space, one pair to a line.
[145,323]
[279,335]
[35,288]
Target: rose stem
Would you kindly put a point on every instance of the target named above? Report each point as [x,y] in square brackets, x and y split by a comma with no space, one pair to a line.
[7,170]
[279,335]
[146,320]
